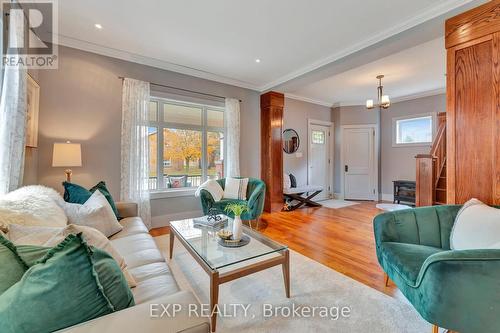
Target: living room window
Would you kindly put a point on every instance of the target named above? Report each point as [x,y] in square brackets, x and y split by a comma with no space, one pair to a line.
[415,130]
[186,144]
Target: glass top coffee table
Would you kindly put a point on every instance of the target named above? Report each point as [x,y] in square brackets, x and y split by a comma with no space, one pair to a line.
[224,264]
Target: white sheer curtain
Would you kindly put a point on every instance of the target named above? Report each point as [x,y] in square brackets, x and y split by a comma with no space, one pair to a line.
[12,116]
[232,116]
[135,146]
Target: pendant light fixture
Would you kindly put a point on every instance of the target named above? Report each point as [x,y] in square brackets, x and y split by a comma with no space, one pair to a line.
[383,101]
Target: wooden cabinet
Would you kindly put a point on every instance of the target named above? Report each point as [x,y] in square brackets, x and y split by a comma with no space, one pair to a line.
[473,105]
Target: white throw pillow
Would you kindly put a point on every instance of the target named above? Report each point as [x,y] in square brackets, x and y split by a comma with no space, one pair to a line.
[236,188]
[477,226]
[50,237]
[33,235]
[96,212]
[213,187]
[32,205]
[287,183]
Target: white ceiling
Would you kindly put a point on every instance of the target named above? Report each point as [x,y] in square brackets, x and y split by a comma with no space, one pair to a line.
[220,39]
[417,71]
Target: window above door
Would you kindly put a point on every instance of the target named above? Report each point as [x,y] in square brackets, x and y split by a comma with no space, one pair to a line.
[318,137]
[414,130]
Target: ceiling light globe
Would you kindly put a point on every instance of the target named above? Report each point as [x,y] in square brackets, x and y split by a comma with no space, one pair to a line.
[385,102]
[369,104]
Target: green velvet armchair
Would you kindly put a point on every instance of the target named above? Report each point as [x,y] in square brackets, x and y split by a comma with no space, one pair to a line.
[256,192]
[456,290]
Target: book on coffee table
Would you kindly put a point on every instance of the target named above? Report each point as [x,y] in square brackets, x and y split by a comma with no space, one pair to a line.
[213,223]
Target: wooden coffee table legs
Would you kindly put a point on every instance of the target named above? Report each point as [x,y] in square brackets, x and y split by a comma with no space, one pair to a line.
[286,272]
[216,280]
[172,237]
[214,298]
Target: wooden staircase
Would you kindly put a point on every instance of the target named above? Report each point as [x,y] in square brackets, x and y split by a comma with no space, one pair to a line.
[431,170]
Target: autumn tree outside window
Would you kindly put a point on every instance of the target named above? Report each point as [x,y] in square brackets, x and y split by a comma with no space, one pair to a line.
[186,144]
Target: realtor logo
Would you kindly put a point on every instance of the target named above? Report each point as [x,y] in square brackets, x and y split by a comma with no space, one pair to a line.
[29,30]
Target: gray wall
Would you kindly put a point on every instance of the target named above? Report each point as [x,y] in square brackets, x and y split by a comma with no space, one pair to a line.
[296,115]
[81,102]
[396,162]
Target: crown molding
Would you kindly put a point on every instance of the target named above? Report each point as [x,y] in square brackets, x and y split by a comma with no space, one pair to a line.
[433,12]
[308,100]
[148,61]
[429,93]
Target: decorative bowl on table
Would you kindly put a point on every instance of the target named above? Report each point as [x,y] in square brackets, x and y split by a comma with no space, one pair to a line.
[225,234]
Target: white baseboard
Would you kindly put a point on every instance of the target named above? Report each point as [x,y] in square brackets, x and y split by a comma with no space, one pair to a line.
[388,197]
[164,220]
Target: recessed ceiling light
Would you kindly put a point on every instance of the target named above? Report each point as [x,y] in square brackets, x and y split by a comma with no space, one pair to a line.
[98,26]
[257,60]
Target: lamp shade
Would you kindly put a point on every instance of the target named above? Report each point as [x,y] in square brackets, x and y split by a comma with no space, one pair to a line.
[67,155]
[369,104]
[385,102]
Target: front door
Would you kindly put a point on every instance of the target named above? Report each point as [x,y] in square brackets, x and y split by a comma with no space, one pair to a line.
[358,146]
[319,160]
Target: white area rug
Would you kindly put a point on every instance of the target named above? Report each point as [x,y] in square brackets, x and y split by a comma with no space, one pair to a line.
[392,207]
[312,284]
[336,204]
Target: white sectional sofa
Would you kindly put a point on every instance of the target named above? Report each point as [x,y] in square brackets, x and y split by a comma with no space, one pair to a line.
[155,285]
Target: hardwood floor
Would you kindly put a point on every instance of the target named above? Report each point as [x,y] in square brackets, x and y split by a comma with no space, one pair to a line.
[341,239]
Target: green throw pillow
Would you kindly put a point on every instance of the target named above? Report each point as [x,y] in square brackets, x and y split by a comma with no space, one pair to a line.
[112,280]
[70,284]
[30,254]
[108,272]
[75,193]
[12,267]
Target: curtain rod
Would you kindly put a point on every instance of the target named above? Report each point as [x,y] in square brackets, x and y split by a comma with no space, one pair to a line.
[182,89]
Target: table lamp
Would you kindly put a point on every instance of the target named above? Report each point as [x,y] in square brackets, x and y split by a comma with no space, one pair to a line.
[67,155]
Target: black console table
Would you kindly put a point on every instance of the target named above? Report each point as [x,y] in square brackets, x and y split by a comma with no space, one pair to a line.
[404,190]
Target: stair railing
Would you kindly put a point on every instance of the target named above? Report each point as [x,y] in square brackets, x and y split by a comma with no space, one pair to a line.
[438,151]
[430,166]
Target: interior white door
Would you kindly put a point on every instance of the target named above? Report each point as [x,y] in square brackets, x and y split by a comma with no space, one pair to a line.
[358,146]
[319,160]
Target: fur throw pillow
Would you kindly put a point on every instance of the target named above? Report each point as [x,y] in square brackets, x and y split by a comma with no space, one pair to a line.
[33,205]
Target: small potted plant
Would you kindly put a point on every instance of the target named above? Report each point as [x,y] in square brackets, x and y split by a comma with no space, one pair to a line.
[237,210]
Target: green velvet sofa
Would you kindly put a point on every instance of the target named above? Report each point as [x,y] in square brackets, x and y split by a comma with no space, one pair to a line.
[256,192]
[457,290]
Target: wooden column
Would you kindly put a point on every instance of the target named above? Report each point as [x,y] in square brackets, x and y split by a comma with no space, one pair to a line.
[271,156]
[473,105]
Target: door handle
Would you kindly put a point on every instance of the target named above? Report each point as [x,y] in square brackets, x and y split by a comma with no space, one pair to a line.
[346,168]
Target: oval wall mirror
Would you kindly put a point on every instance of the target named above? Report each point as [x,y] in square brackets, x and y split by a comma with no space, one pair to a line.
[291,141]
